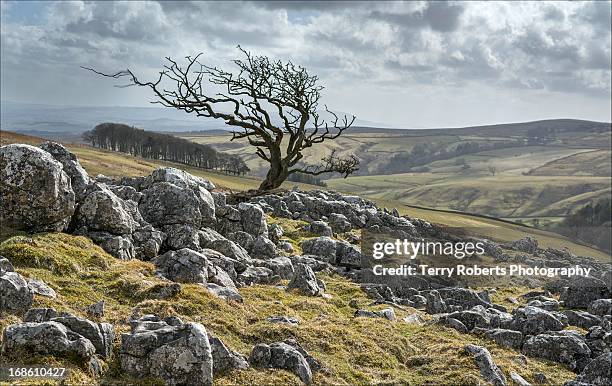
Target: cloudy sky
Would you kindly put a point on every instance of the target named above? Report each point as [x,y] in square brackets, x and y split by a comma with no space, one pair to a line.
[411,64]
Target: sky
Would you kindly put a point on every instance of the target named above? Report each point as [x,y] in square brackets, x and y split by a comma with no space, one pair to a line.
[405,64]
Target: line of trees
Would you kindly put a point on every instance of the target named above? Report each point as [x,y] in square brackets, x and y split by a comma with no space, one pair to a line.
[147,144]
[591,224]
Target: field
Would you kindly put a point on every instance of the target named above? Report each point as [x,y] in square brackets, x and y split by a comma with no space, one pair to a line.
[116,164]
[531,172]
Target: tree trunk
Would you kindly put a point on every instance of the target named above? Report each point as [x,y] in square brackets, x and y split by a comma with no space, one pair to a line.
[277,174]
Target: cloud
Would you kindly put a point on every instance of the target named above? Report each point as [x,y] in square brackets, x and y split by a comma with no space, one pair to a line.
[393,46]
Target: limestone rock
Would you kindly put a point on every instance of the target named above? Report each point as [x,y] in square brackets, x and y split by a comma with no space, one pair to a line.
[15,295]
[566,347]
[488,369]
[305,281]
[36,193]
[180,355]
[280,355]
[224,359]
[78,176]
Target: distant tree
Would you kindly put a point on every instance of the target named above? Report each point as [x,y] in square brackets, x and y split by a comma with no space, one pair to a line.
[252,100]
[492,169]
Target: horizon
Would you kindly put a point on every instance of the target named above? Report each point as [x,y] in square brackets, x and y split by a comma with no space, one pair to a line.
[397,64]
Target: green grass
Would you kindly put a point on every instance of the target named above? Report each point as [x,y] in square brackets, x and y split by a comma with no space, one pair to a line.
[353,351]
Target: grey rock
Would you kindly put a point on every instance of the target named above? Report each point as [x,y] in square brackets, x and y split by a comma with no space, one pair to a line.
[339,223]
[162,291]
[226,293]
[224,359]
[281,355]
[320,228]
[601,307]
[506,338]
[263,248]
[15,295]
[36,193]
[46,338]
[304,281]
[101,210]
[582,291]
[78,176]
[165,204]
[518,380]
[581,319]
[253,219]
[5,265]
[280,266]
[323,247]
[39,287]
[488,369]
[126,193]
[387,313]
[533,320]
[38,315]
[566,347]
[101,335]
[96,310]
[347,255]
[183,266]
[258,275]
[207,236]
[283,320]
[180,355]
[414,319]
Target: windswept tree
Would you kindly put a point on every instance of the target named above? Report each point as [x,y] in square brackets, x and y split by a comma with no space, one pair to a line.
[273,104]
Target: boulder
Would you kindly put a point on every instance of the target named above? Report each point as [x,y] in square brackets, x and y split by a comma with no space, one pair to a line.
[347,255]
[224,359]
[275,232]
[323,247]
[582,291]
[566,347]
[387,313]
[46,338]
[258,275]
[320,228]
[305,282]
[78,176]
[183,266]
[147,242]
[231,250]
[506,338]
[102,210]
[581,319]
[601,307]
[96,310]
[281,266]
[15,295]
[518,380]
[488,369]
[281,355]
[179,236]
[339,222]
[180,355]
[41,288]
[101,335]
[253,219]
[597,372]
[165,204]
[36,193]
[226,293]
[454,323]
[263,248]
[243,239]
[435,304]
[38,315]
[533,321]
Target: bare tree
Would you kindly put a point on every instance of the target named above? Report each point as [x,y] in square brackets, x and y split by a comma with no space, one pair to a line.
[273,104]
[492,169]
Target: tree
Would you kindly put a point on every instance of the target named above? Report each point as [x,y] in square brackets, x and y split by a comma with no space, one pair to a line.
[492,169]
[273,104]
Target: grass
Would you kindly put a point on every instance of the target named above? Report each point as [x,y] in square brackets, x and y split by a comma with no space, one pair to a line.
[353,351]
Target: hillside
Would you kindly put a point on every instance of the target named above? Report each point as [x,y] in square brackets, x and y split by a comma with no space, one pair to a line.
[113,164]
[160,280]
[523,171]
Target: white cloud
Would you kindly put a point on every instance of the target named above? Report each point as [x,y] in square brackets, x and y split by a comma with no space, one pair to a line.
[384,49]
